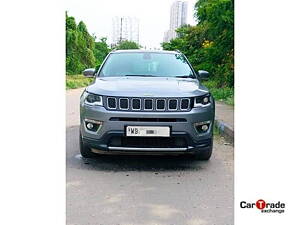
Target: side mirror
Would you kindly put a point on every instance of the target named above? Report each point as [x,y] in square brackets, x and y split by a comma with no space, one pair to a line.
[203,75]
[89,72]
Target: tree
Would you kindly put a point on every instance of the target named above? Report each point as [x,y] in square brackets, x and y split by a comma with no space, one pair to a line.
[209,45]
[79,47]
[101,50]
[127,45]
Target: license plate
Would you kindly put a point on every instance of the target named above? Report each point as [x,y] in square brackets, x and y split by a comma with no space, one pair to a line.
[147,131]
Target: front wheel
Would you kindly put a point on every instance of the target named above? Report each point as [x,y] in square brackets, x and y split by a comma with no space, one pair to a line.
[85,151]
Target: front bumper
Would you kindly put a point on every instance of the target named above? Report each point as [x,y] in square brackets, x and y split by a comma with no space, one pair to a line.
[99,141]
[102,146]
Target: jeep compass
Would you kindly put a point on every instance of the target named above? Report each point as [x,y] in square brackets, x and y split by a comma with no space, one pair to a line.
[146,102]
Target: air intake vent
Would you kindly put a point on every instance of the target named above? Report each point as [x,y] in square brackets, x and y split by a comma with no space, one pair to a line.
[140,104]
[185,104]
[173,104]
[160,104]
[111,103]
[136,104]
[124,103]
[148,104]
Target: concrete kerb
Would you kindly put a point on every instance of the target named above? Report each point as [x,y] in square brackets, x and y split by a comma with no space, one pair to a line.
[225,130]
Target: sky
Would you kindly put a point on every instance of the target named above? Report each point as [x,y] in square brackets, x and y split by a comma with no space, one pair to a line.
[154,16]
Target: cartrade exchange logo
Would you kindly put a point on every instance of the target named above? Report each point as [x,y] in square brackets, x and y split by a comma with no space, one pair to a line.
[264,207]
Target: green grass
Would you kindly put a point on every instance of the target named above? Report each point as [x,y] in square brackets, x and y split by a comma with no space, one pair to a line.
[77,81]
[224,94]
[216,131]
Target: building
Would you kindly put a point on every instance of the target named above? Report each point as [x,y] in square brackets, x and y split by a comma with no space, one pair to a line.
[125,28]
[178,18]
[168,35]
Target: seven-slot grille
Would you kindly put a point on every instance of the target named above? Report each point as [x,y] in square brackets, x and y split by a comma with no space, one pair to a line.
[147,104]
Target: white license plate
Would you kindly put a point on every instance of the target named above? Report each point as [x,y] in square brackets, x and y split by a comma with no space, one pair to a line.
[147,131]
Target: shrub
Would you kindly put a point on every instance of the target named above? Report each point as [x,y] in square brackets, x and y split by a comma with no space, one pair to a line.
[77,81]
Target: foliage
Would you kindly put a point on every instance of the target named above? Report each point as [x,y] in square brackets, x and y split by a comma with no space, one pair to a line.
[101,50]
[209,45]
[81,49]
[76,81]
[225,94]
[127,45]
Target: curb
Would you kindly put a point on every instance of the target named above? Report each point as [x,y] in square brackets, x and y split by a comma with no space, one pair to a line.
[225,130]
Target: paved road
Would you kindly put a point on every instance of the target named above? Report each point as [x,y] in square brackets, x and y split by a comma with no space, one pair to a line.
[225,113]
[143,190]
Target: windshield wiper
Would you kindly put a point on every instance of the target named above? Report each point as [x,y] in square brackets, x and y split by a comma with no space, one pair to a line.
[139,75]
[184,76]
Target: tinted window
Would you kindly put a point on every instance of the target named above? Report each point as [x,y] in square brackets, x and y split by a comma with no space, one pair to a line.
[154,64]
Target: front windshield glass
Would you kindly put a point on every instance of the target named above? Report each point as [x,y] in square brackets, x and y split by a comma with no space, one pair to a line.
[146,64]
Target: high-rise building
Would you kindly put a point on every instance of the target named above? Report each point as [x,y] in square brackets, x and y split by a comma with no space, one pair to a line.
[125,28]
[178,18]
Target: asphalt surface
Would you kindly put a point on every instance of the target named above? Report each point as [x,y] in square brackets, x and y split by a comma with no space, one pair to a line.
[146,190]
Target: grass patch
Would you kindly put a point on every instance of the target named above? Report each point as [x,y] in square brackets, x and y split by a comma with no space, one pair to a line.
[216,130]
[77,81]
[224,94]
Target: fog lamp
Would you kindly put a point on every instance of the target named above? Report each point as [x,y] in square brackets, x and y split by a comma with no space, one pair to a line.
[202,127]
[90,126]
[93,125]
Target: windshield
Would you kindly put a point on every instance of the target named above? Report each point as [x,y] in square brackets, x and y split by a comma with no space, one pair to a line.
[146,64]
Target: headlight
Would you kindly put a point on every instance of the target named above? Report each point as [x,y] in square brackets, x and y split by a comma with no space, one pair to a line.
[92,99]
[202,101]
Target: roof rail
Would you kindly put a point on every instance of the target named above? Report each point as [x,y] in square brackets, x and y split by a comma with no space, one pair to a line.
[176,50]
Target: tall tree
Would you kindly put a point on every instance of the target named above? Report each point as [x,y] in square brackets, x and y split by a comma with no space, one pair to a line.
[101,50]
[209,45]
[79,47]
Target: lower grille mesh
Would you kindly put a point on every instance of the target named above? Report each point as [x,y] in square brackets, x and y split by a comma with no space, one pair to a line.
[148,142]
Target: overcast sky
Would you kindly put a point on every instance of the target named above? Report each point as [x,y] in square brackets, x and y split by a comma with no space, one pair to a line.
[154,16]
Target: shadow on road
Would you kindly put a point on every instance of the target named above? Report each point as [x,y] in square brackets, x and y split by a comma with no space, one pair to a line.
[127,162]
[142,163]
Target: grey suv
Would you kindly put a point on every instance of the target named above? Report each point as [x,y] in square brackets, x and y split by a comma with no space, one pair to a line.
[146,102]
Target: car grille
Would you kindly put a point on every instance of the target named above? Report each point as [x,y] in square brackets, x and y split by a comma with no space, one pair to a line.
[147,104]
[148,142]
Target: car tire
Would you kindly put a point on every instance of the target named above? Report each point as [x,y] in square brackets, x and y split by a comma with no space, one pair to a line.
[85,151]
[205,155]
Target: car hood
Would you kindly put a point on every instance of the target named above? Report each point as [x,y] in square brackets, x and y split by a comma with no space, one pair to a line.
[146,87]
